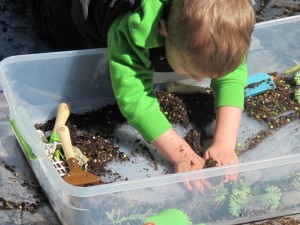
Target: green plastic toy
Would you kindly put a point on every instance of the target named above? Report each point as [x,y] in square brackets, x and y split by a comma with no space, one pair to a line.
[169,217]
[54,137]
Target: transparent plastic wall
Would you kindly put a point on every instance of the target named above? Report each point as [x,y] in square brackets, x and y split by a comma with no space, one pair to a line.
[275,46]
[264,189]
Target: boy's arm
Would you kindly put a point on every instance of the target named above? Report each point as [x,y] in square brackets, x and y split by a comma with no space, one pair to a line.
[229,90]
[229,103]
[227,126]
[132,80]
[223,148]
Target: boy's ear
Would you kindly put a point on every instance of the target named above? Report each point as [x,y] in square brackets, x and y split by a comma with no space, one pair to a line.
[163,30]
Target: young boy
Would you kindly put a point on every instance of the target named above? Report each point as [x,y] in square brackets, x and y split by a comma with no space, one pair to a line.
[196,38]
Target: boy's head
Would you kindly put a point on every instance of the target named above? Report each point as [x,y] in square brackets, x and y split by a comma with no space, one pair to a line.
[208,38]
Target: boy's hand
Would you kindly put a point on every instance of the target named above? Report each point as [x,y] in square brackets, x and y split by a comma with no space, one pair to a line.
[222,149]
[184,159]
[189,163]
[224,156]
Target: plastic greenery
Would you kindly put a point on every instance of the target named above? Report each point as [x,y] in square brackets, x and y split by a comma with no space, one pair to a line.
[122,217]
[241,189]
[235,206]
[297,95]
[296,183]
[297,92]
[297,78]
[269,200]
[220,193]
[240,192]
[273,194]
[58,156]
[291,70]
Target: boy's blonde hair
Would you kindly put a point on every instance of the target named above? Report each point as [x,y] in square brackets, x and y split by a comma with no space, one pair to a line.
[215,33]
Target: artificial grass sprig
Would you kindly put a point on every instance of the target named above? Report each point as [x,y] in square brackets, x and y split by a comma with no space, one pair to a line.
[297,95]
[220,193]
[297,92]
[296,183]
[297,78]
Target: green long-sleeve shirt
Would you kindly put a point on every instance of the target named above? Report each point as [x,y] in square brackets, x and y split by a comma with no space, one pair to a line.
[130,38]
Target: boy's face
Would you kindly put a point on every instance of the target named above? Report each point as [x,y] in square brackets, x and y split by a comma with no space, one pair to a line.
[180,61]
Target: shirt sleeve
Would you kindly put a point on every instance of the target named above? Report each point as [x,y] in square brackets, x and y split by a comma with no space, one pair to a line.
[132,80]
[229,90]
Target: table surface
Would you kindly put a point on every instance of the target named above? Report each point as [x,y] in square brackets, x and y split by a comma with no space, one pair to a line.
[17,182]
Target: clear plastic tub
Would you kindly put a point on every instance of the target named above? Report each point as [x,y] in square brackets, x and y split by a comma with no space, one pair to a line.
[268,181]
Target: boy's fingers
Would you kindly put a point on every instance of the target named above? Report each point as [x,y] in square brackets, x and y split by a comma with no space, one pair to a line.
[198,186]
[230,177]
[187,186]
[206,155]
[201,185]
[206,183]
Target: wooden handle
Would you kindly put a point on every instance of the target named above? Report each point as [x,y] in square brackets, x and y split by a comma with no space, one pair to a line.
[65,139]
[63,113]
[180,88]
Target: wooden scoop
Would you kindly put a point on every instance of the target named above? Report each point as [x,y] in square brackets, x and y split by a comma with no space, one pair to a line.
[62,115]
[76,175]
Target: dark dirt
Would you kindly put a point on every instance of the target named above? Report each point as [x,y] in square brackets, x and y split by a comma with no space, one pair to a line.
[275,108]
[94,139]
[193,138]
[273,9]
[18,34]
[270,106]
[24,206]
[279,221]
[30,207]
